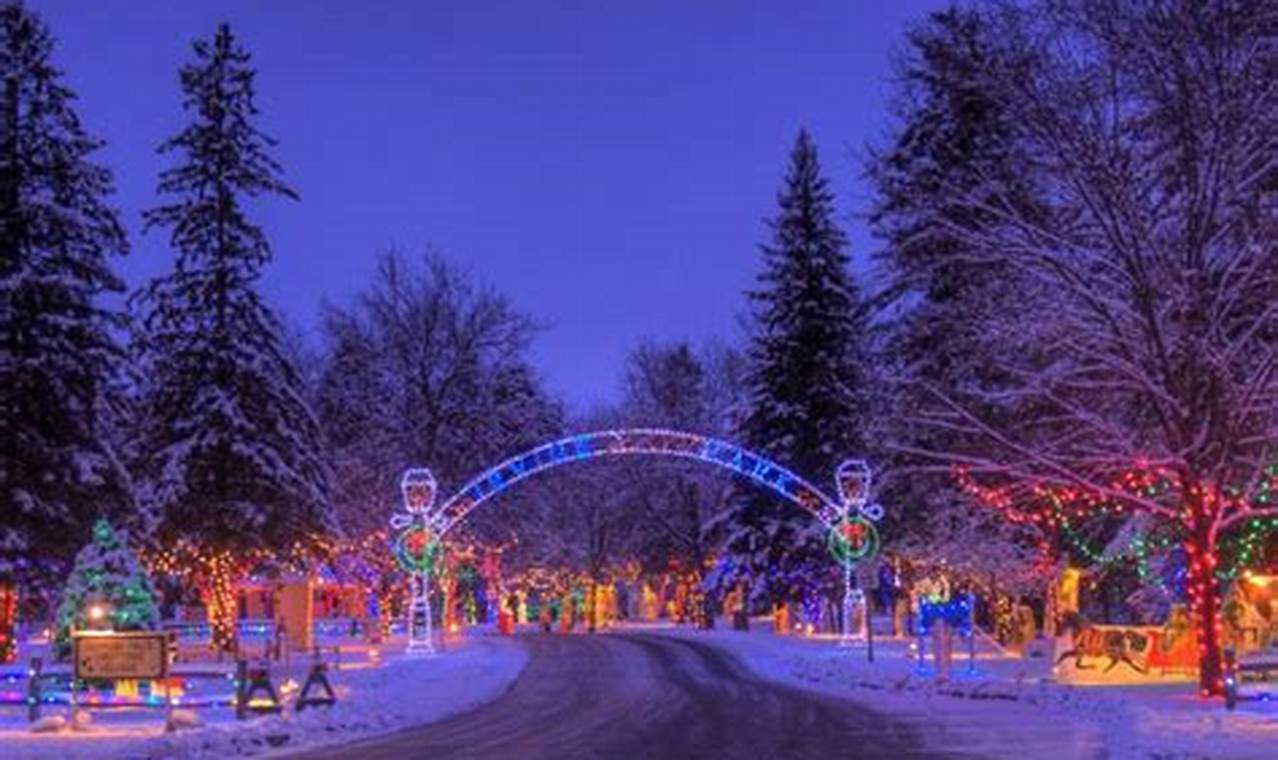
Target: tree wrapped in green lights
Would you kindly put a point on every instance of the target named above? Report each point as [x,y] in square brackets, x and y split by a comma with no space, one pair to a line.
[107,589]
[1219,527]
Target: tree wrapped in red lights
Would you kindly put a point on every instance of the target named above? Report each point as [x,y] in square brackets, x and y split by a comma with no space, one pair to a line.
[214,574]
[1055,515]
[1202,516]
[1125,355]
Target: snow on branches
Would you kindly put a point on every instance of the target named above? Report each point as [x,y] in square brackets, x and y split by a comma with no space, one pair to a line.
[1143,336]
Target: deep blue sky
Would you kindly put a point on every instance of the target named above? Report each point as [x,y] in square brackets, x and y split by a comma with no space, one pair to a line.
[607,165]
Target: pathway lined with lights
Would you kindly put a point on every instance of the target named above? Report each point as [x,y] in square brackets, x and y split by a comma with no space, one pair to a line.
[647,696]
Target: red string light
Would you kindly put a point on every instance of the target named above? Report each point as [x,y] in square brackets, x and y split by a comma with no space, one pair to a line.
[1198,505]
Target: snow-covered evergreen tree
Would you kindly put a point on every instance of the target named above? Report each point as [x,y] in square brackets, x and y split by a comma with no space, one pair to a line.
[807,378]
[230,453]
[106,574]
[60,367]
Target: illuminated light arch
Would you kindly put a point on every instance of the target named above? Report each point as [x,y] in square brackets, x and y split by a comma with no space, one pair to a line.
[422,525]
[636,441]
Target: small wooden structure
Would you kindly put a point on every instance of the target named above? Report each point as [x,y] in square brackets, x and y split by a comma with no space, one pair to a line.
[295,612]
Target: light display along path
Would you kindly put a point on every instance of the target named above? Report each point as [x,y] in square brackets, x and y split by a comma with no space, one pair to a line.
[426,524]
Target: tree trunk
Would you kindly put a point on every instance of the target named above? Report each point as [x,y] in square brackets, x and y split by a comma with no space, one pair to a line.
[592,607]
[219,600]
[1205,601]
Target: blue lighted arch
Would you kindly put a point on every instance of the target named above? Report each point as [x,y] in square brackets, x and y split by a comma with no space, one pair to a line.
[639,441]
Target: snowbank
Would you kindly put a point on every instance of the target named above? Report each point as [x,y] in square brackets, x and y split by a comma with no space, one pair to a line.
[371,701]
[1009,708]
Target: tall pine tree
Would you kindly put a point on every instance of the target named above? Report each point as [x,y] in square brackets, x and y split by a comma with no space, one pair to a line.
[230,452]
[808,394]
[60,367]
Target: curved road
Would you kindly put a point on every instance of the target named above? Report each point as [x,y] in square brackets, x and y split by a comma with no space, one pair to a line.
[645,696]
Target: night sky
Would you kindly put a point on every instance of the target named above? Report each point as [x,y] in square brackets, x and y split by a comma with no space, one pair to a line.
[606,167]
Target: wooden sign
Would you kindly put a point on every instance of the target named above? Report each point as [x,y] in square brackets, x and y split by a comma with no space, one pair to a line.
[136,655]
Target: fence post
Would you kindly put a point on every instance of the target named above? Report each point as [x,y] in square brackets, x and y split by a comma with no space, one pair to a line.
[1231,679]
[971,634]
[922,636]
[241,689]
[277,642]
[869,629]
[33,689]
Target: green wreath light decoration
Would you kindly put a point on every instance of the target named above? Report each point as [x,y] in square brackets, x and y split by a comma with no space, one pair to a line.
[853,539]
[416,549]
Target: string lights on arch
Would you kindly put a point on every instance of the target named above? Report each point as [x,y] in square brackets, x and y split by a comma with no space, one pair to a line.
[637,441]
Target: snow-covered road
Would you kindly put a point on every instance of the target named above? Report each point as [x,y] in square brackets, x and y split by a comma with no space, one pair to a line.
[635,695]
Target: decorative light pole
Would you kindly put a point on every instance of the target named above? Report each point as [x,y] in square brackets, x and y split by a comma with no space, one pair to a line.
[416,548]
[854,538]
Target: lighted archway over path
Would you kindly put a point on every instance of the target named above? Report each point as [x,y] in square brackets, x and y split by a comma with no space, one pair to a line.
[424,525]
[637,442]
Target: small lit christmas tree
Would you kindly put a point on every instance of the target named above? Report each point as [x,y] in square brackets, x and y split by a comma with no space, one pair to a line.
[107,576]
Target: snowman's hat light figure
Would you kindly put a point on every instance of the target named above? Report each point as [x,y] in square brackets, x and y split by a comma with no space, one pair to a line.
[419,489]
[853,481]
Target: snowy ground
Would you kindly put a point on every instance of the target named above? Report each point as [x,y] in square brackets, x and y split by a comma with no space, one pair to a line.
[1009,708]
[371,700]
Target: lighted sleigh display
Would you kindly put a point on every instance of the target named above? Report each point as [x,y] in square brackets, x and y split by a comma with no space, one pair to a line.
[1127,654]
[1092,654]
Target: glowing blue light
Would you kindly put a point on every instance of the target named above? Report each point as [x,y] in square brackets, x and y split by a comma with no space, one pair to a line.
[957,612]
[634,442]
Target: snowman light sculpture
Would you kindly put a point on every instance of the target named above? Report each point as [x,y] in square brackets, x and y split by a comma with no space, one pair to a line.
[416,548]
[853,538]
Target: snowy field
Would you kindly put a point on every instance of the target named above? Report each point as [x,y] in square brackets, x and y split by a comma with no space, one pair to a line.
[371,700]
[1009,708]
